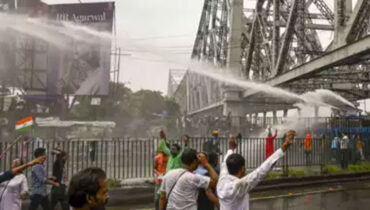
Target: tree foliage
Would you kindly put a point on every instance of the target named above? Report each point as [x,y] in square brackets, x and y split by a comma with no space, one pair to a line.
[132,111]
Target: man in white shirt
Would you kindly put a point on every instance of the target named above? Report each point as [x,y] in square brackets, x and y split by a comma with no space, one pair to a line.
[344,153]
[180,187]
[234,185]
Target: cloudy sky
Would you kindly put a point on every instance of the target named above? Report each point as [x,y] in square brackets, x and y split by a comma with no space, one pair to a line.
[158,35]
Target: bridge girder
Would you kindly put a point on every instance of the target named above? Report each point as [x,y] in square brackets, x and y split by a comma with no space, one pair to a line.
[281,44]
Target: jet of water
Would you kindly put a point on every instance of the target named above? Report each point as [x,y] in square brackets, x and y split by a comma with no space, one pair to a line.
[223,75]
[52,32]
[315,98]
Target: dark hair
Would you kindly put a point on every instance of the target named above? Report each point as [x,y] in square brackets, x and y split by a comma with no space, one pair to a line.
[86,182]
[162,134]
[234,163]
[39,152]
[178,147]
[188,156]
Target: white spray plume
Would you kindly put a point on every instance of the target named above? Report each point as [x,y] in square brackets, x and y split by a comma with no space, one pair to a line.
[52,32]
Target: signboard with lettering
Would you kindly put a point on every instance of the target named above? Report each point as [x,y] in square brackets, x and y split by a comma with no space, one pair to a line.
[82,69]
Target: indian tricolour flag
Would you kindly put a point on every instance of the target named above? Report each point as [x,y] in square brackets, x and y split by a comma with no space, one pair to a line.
[24,124]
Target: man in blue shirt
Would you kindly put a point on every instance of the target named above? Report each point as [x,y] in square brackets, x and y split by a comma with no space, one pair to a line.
[38,183]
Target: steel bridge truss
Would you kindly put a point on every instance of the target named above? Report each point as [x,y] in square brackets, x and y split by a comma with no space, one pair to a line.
[283,43]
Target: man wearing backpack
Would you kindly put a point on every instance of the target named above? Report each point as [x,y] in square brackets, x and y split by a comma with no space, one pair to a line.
[180,187]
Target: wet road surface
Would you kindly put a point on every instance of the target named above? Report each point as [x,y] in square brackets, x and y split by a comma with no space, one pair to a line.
[340,200]
[324,199]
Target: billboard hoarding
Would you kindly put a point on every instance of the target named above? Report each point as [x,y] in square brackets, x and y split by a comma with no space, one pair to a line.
[84,68]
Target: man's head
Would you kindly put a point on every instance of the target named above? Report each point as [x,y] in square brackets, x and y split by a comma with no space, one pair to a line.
[269,132]
[189,158]
[236,165]
[88,189]
[39,152]
[185,137]
[175,149]
[162,135]
[215,133]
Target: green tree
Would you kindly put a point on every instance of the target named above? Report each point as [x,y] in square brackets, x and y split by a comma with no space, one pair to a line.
[134,113]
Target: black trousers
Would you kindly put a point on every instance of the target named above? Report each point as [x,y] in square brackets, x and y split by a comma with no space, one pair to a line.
[58,194]
[344,153]
[37,200]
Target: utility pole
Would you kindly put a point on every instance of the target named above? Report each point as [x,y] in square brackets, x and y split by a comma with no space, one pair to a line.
[117,64]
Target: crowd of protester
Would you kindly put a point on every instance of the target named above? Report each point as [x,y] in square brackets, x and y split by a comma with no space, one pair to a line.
[184,178]
[195,180]
[87,189]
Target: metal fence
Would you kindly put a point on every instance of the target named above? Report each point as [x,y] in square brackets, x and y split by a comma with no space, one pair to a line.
[125,158]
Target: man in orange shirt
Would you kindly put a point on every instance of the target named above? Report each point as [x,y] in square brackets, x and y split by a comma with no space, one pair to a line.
[160,164]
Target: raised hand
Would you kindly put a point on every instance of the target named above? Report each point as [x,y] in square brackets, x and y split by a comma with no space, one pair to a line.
[288,139]
[38,160]
[232,143]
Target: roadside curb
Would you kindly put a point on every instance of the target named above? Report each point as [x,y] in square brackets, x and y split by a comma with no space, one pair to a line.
[292,182]
[144,193]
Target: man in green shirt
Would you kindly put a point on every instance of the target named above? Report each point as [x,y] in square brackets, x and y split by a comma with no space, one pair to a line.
[174,153]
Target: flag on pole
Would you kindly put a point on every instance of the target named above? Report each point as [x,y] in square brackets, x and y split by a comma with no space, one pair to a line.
[24,124]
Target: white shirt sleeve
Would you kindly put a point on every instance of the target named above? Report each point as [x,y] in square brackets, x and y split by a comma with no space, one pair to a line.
[252,179]
[200,181]
[24,184]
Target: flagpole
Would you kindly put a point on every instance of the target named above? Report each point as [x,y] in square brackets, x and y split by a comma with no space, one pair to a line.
[9,147]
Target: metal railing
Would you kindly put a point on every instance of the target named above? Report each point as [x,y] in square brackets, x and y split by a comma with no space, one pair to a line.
[127,158]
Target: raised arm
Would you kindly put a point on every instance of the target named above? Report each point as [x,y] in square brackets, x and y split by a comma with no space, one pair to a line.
[251,180]
[162,201]
[19,169]
[164,148]
[163,196]
[212,173]
[232,148]
[275,135]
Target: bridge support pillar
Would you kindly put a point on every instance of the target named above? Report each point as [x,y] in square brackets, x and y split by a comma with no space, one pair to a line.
[316,114]
[285,113]
[236,26]
[274,117]
[233,106]
[316,111]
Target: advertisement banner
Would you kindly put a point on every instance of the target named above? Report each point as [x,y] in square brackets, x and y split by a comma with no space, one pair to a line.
[82,68]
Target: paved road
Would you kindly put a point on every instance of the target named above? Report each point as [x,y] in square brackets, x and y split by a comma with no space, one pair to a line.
[341,200]
[333,198]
